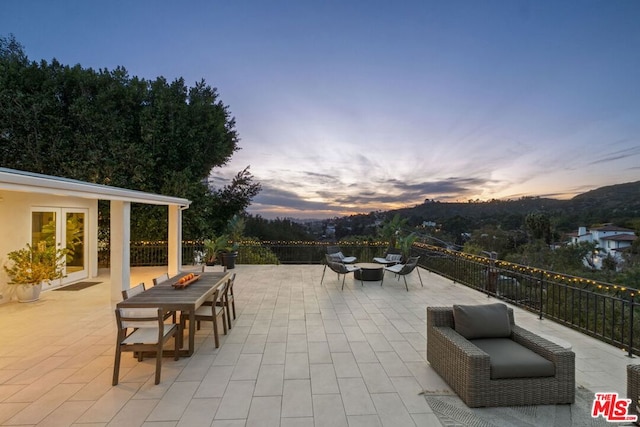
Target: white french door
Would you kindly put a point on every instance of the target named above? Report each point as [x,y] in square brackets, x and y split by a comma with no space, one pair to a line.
[64,228]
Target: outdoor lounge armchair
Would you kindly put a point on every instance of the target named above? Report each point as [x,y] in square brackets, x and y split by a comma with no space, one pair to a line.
[404,269]
[515,368]
[337,255]
[391,257]
[339,268]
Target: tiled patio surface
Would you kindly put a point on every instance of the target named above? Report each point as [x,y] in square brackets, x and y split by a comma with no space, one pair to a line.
[299,354]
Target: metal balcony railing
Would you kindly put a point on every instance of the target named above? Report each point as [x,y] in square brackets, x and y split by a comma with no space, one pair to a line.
[602,310]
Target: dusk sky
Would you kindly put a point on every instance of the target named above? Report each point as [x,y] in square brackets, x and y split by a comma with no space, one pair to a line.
[347,106]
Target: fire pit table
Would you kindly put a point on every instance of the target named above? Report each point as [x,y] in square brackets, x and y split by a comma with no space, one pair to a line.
[369,271]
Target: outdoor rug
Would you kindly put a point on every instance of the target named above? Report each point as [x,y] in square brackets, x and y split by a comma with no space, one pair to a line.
[77,286]
[452,412]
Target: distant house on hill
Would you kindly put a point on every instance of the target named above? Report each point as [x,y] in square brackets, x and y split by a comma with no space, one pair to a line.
[611,241]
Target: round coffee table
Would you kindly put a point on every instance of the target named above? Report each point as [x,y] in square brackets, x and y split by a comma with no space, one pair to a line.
[369,271]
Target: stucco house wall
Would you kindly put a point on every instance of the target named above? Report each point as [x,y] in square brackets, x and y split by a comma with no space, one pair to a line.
[15,217]
[21,192]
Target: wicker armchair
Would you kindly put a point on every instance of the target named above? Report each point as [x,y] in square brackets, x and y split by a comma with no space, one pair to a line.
[467,370]
[633,388]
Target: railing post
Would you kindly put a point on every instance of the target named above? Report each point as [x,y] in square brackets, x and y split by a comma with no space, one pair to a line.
[631,310]
[541,293]
[492,278]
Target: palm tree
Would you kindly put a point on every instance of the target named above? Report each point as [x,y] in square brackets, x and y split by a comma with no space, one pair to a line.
[391,230]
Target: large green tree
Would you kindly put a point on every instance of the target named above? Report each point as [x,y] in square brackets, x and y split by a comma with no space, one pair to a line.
[109,128]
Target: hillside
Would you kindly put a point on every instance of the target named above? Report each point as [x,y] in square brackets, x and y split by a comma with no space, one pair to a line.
[439,211]
[619,198]
[618,204]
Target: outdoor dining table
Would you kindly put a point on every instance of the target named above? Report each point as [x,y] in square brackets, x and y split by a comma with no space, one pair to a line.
[186,300]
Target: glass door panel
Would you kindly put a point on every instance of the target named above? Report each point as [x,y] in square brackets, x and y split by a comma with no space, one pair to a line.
[75,241]
[44,228]
[62,227]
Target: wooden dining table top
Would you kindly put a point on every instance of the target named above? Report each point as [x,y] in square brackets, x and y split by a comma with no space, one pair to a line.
[189,298]
[186,300]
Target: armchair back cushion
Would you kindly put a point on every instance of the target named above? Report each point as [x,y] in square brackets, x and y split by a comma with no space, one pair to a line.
[482,321]
[394,257]
[337,256]
[508,359]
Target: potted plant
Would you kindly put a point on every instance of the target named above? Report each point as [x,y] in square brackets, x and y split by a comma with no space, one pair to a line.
[29,267]
[235,231]
[213,247]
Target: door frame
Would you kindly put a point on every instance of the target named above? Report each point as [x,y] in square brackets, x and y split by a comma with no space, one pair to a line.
[60,237]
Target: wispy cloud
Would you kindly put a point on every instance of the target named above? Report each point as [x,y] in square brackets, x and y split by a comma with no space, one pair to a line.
[447,102]
[617,155]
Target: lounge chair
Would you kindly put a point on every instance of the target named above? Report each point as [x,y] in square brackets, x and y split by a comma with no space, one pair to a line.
[489,361]
[339,268]
[404,269]
[337,255]
[391,257]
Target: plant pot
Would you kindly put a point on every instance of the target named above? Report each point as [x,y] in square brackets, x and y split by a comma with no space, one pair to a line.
[229,259]
[28,293]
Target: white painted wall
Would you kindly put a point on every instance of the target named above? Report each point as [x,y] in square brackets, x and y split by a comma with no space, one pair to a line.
[15,225]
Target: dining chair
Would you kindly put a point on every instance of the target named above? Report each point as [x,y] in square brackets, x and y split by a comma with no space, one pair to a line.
[227,300]
[140,330]
[232,299]
[160,279]
[137,289]
[210,312]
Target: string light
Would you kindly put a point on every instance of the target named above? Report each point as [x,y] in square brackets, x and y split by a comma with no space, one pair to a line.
[521,269]
[479,259]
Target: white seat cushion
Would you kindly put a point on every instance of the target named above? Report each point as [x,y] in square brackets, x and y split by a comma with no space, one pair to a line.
[206,310]
[395,268]
[147,335]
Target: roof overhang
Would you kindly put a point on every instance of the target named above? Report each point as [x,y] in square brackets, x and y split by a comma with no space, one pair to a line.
[29,182]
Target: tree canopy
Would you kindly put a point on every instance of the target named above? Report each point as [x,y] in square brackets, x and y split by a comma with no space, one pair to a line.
[110,128]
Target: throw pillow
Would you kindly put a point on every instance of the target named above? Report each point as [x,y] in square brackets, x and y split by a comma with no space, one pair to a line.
[482,321]
[337,257]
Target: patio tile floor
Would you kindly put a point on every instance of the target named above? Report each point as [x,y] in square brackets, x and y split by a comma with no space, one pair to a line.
[299,354]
